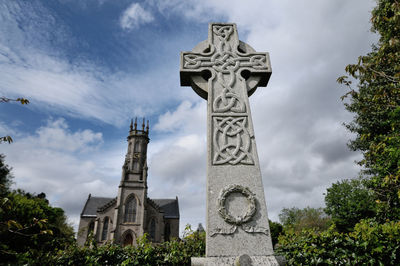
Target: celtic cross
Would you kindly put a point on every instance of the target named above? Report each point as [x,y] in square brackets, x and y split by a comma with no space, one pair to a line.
[225,71]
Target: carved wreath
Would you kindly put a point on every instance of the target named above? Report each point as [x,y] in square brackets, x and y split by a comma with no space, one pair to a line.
[251,209]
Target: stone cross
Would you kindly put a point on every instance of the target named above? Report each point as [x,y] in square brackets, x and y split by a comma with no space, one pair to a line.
[225,71]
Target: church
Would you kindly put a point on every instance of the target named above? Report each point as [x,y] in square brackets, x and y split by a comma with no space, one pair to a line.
[131,214]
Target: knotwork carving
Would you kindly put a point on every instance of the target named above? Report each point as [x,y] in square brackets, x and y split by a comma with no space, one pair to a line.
[223,31]
[231,141]
[225,62]
[238,221]
[258,62]
[228,100]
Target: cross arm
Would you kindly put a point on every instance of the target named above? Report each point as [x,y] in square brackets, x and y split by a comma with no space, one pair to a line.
[258,66]
[192,64]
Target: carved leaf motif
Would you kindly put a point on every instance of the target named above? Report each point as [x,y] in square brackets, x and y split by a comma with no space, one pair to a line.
[242,219]
[221,231]
[255,229]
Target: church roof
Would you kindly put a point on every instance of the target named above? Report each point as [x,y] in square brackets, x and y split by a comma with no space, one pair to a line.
[169,206]
[92,204]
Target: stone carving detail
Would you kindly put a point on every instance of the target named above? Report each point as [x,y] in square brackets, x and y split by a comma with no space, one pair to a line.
[251,209]
[224,62]
[223,31]
[231,141]
[238,221]
[228,101]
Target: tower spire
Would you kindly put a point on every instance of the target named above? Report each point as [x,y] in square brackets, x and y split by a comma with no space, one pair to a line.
[131,126]
[143,125]
[135,123]
[147,128]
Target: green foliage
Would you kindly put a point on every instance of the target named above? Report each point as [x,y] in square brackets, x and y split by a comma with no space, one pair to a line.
[376,105]
[307,218]
[369,244]
[276,229]
[30,227]
[5,177]
[347,202]
[174,252]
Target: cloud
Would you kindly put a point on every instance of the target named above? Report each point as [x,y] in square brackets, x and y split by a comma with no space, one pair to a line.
[66,165]
[188,117]
[134,16]
[56,136]
[297,118]
[35,66]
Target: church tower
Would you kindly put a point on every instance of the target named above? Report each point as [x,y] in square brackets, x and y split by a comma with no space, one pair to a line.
[130,214]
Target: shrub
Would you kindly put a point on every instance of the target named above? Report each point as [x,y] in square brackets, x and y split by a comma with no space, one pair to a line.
[174,252]
[369,244]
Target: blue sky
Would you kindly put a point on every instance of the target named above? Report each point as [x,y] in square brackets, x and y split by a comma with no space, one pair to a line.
[88,67]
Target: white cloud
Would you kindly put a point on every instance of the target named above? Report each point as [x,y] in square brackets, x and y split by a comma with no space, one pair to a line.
[297,118]
[33,68]
[134,16]
[66,165]
[56,136]
[188,117]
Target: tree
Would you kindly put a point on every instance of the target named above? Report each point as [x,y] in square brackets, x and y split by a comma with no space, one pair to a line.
[307,218]
[376,105]
[347,202]
[276,229]
[30,227]
[5,177]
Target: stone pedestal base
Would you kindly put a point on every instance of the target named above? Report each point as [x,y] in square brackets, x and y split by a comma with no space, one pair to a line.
[244,260]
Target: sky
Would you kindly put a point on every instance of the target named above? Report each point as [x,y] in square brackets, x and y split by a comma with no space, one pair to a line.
[88,67]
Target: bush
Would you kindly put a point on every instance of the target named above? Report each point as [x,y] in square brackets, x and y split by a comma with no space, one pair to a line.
[30,227]
[174,252]
[369,244]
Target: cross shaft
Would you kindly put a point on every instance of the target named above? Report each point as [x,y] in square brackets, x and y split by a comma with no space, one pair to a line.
[225,71]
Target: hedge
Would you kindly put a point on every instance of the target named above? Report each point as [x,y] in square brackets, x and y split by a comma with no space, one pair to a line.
[369,244]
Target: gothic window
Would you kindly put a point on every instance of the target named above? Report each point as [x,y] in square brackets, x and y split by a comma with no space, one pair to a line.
[167,231]
[90,228]
[130,210]
[129,147]
[128,240]
[152,230]
[135,166]
[105,229]
[137,146]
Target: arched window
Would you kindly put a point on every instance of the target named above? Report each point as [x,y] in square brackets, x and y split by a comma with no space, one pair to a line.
[128,240]
[135,166]
[137,147]
[167,232]
[130,210]
[129,147]
[90,228]
[105,229]
[152,230]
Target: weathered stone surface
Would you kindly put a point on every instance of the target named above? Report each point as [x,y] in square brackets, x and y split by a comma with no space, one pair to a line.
[225,71]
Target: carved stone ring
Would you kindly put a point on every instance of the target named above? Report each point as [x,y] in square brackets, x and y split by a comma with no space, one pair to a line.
[251,209]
